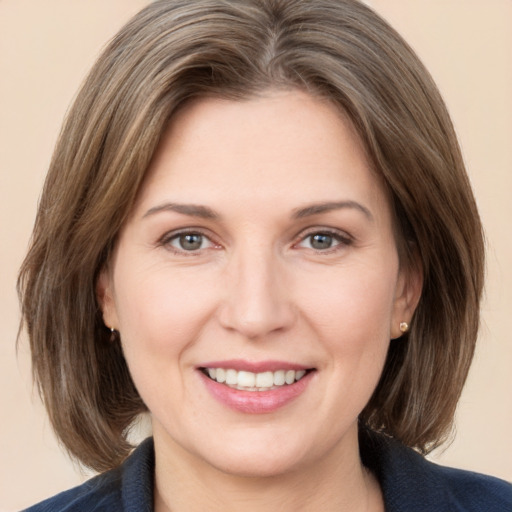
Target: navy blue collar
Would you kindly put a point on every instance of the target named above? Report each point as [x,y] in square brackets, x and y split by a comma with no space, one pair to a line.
[138,478]
[409,482]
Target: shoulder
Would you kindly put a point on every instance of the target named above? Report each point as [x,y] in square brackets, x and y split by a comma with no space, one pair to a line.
[474,491]
[126,488]
[410,482]
[104,489]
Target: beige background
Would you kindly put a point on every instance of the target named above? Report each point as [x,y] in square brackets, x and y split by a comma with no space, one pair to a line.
[45,50]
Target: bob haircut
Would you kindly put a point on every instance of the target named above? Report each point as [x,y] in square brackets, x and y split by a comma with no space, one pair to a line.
[174,51]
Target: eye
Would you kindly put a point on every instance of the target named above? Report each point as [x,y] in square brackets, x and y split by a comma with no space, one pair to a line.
[321,241]
[187,242]
[324,240]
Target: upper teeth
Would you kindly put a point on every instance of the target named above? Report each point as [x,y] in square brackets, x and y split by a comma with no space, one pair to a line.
[255,381]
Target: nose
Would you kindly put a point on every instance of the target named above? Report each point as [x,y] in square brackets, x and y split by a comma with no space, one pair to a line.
[257,299]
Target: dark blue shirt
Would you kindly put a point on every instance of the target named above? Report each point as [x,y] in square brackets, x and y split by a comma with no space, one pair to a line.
[409,483]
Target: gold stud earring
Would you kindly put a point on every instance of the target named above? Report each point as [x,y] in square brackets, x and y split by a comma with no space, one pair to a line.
[404,327]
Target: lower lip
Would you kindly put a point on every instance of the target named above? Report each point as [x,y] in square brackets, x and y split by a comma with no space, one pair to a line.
[256,402]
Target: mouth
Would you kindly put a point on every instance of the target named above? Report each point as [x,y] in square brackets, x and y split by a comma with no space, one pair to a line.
[250,387]
[244,380]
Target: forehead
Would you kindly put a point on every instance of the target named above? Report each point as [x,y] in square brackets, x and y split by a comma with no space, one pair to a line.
[275,147]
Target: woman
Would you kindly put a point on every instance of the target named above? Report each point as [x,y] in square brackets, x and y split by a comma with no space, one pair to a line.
[257,226]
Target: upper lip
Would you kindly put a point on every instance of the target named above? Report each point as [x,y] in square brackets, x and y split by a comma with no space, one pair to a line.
[254,366]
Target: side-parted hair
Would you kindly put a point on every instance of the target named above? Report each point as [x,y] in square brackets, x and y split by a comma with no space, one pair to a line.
[176,50]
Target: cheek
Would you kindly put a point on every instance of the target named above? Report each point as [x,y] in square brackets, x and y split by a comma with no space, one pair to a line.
[349,315]
[161,310]
[355,303]
[351,319]
[161,316]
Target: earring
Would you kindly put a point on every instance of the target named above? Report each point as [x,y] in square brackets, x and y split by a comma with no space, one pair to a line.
[404,327]
[113,334]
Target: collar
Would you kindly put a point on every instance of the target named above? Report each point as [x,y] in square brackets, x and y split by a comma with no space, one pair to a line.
[408,481]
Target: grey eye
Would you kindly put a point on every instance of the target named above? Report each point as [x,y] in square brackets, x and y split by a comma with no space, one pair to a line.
[190,241]
[321,241]
[187,242]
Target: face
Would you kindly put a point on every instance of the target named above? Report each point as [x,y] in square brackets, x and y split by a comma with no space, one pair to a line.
[256,285]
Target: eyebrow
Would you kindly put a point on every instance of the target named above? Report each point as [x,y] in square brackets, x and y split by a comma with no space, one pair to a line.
[193,210]
[204,212]
[317,208]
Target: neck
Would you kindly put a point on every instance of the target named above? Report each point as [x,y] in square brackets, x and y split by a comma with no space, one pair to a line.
[338,482]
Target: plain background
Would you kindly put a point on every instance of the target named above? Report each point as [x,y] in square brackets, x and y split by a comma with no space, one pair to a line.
[45,50]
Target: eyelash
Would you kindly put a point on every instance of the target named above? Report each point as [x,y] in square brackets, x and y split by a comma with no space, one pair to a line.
[168,238]
[343,239]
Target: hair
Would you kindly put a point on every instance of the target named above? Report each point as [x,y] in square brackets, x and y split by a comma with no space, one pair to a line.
[174,51]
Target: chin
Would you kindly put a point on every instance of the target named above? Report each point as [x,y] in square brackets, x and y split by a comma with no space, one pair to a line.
[257,466]
[259,458]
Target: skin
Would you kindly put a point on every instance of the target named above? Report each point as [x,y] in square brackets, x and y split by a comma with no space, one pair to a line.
[259,289]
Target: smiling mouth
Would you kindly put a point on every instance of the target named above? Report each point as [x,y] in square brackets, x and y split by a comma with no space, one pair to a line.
[249,381]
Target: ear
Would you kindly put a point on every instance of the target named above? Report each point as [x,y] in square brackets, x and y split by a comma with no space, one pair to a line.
[105,297]
[407,296]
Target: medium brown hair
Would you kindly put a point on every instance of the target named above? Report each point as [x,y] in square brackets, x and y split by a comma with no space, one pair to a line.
[174,51]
